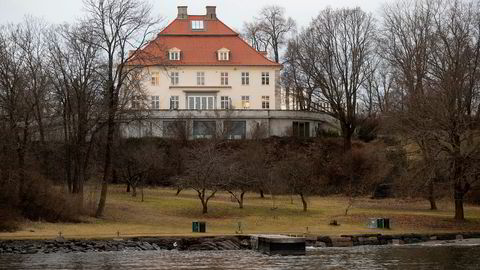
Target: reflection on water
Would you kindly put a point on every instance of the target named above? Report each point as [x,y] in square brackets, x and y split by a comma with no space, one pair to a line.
[365,257]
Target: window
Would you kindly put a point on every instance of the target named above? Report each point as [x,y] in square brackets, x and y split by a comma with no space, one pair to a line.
[139,102]
[245,102]
[174,55]
[174,103]
[265,78]
[224,103]
[155,102]
[197,25]
[301,129]
[245,78]
[135,102]
[235,130]
[200,78]
[155,78]
[175,129]
[223,56]
[201,102]
[224,78]
[174,78]
[204,129]
[265,102]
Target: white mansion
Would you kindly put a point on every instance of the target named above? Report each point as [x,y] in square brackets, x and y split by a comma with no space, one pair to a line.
[207,81]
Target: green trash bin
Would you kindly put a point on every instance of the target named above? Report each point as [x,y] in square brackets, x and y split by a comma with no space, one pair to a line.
[199,226]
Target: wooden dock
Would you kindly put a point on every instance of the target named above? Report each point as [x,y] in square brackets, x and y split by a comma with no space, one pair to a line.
[279,244]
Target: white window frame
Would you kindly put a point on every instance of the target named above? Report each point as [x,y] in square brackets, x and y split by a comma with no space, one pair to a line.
[155,78]
[265,78]
[155,102]
[174,78]
[245,78]
[201,102]
[174,102]
[224,103]
[135,103]
[198,25]
[200,78]
[265,102]
[246,102]
[223,78]
[174,56]
[223,56]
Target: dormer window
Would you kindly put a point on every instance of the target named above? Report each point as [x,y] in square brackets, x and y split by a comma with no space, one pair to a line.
[197,25]
[174,54]
[223,54]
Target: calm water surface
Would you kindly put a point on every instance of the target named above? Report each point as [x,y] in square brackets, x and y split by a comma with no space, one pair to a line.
[365,257]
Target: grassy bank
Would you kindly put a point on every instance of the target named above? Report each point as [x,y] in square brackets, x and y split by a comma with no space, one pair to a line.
[163,213]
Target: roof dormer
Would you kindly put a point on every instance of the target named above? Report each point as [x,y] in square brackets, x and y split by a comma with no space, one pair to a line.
[223,54]
[174,54]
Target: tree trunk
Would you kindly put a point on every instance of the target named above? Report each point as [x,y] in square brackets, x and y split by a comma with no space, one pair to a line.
[347,141]
[21,170]
[178,191]
[262,195]
[433,204]
[458,186]
[107,164]
[431,195]
[205,209]
[240,202]
[304,202]
[134,190]
[459,194]
[128,187]
[287,98]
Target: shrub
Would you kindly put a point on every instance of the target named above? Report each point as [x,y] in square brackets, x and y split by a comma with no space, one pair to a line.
[41,200]
[367,130]
[9,219]
[328,133]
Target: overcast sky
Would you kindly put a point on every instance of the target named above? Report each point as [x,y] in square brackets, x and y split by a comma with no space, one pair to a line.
[231,12]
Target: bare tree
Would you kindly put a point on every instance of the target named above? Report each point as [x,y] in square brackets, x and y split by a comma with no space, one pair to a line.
[299,177]
[16,100]
[255,36]
[136,161]
[381,93]
[300,82]
[244,171]
[73,70]
[337,50]
[202,174]
[121,29]
[271,27]
[435,48]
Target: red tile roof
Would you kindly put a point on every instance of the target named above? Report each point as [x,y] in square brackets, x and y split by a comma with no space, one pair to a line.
[183,27]
[199,48]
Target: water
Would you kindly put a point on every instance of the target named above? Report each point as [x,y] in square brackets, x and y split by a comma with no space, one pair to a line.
[364,257]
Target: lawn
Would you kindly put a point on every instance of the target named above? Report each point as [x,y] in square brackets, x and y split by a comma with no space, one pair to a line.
[162,213]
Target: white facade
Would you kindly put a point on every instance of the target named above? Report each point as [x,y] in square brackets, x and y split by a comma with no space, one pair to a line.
[204,81]
[245,87]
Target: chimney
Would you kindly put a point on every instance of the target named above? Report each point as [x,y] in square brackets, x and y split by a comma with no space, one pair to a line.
[211,12]
[182,12]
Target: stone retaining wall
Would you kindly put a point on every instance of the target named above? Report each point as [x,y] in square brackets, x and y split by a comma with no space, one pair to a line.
[133,244]
[61,245]
[380,239]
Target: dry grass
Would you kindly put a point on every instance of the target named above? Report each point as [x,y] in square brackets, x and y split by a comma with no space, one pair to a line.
[163,213]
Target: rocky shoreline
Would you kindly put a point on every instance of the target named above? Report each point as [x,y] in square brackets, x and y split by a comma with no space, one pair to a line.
[61,245]
[385,239]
